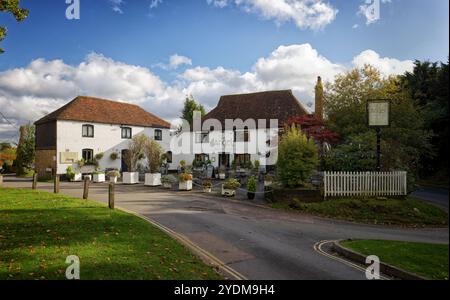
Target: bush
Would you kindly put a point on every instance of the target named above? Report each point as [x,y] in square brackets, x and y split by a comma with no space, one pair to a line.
[185,177]
[113,173]
[207,184]
[231,184]
[170,179]
[153,153]
[251,185]
[297,158]
[70,174]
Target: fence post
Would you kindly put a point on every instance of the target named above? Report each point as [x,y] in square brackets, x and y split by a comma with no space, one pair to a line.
[34,184]
[86,188]
[56,184]
[1,179]
[111,195]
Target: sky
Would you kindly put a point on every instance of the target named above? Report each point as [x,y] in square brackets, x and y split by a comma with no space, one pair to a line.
[155,52]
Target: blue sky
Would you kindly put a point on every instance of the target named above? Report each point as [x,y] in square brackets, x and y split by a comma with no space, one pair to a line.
[238,45]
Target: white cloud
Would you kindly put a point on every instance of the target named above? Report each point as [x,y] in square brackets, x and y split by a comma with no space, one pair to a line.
[306,14]
[117,5]
[155,3]
[371,10]
[387,66]
[175,61]
[28,93]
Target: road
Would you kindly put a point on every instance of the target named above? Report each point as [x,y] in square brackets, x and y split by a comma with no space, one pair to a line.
[436,196]
[258,242]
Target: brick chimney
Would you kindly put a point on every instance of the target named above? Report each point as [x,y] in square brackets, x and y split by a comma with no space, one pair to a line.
[319,99]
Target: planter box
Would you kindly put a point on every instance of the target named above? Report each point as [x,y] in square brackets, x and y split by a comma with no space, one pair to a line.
[153,179]
[228,193]
[167,185]
[99,178]
[78,177]
[185,186]
[113,179]
[130,177]
[222,176]
[89,177]
[207,190]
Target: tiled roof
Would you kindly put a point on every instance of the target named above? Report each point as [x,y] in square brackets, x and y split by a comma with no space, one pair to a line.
[95,110]
[280,105]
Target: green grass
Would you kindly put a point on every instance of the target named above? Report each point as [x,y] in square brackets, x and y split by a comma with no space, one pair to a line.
[404,212]
[39,230]
[427,260]
[27,174]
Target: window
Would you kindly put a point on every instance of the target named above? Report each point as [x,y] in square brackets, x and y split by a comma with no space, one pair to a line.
[158,135]
[88,155]
[242,159]
[202,137]
[201,158]
[127,133]
[241,135]
[169,157]
[88,131]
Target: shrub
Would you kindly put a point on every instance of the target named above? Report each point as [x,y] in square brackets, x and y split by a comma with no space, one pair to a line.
[251,185]
[231,184]
[257,165]
[135,152]
[113,173]
[169,179]
[185,177]
[297,158]
[70,174]
[207,184]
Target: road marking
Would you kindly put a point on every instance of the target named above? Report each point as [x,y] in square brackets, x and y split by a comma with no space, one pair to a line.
[318,249]
[214,261]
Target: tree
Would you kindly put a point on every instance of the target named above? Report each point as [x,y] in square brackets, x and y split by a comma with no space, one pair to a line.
[13,7]
[26,149]
[136,151]
[190,106]
[403,143]
[428,86]
[153,153]
[297,157]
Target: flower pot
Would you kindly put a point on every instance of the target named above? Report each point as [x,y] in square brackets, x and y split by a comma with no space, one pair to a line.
[113,179]
[185,185]
[99,178]
[78,177]
[267,183]
[153,179]
[167,185]
[130,177]
[89,177]
[228,192]
[251,195]
[207,190]
[222,176]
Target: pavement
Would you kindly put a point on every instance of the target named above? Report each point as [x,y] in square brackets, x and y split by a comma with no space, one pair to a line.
[256,241]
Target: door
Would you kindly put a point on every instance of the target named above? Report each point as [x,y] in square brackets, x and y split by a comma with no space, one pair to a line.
[124,165]
[224,160]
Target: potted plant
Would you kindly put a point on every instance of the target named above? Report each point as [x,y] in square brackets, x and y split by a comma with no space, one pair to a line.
[132,157]
[207,186]
[168,181]
[229,187]
[99,177]
[251,188]
[72,175]
[114,156]
[257,165]
[185,183]
[268,180]
[222,174]
[99,156]
[153,153]
[113,176]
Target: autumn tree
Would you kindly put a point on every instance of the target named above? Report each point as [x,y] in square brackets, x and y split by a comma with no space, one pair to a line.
[13,7]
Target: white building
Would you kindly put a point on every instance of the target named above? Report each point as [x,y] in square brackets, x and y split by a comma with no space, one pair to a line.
[88,126]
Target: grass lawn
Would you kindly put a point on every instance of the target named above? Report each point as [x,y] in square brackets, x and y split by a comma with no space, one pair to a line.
[428,260]
[404,212]
[38,230]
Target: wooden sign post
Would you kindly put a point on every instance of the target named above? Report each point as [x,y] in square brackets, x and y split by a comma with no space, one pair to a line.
[56,184]
[111,195]
[87,183]
[34,185]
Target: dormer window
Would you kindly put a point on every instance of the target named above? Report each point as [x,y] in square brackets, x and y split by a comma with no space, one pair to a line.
[88,131]
[127,133]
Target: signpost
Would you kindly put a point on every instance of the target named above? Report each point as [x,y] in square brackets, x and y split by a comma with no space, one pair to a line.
[378,116]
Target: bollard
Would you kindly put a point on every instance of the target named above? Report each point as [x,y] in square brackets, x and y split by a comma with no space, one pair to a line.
[56,184]
[111,195]
[1,179]
[87,182]
[35,178]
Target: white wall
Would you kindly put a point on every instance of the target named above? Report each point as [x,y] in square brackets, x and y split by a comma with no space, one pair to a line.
[107,139]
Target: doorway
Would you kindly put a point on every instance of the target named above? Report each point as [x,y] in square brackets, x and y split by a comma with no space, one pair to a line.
[123,156]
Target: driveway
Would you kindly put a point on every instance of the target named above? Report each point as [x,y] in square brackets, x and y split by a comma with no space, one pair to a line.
[258,242]
[436,196]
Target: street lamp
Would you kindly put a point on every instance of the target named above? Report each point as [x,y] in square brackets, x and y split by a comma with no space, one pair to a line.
[378,116]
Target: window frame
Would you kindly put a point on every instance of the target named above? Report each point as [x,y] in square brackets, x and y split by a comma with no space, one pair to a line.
[158,135]
[87,126]
[125,136]
[87,150]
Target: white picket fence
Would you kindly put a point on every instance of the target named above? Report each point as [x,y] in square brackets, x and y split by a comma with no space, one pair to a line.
[356,184]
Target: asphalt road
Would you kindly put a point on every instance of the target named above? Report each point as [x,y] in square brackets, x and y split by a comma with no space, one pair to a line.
[258,242]
[438,197]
